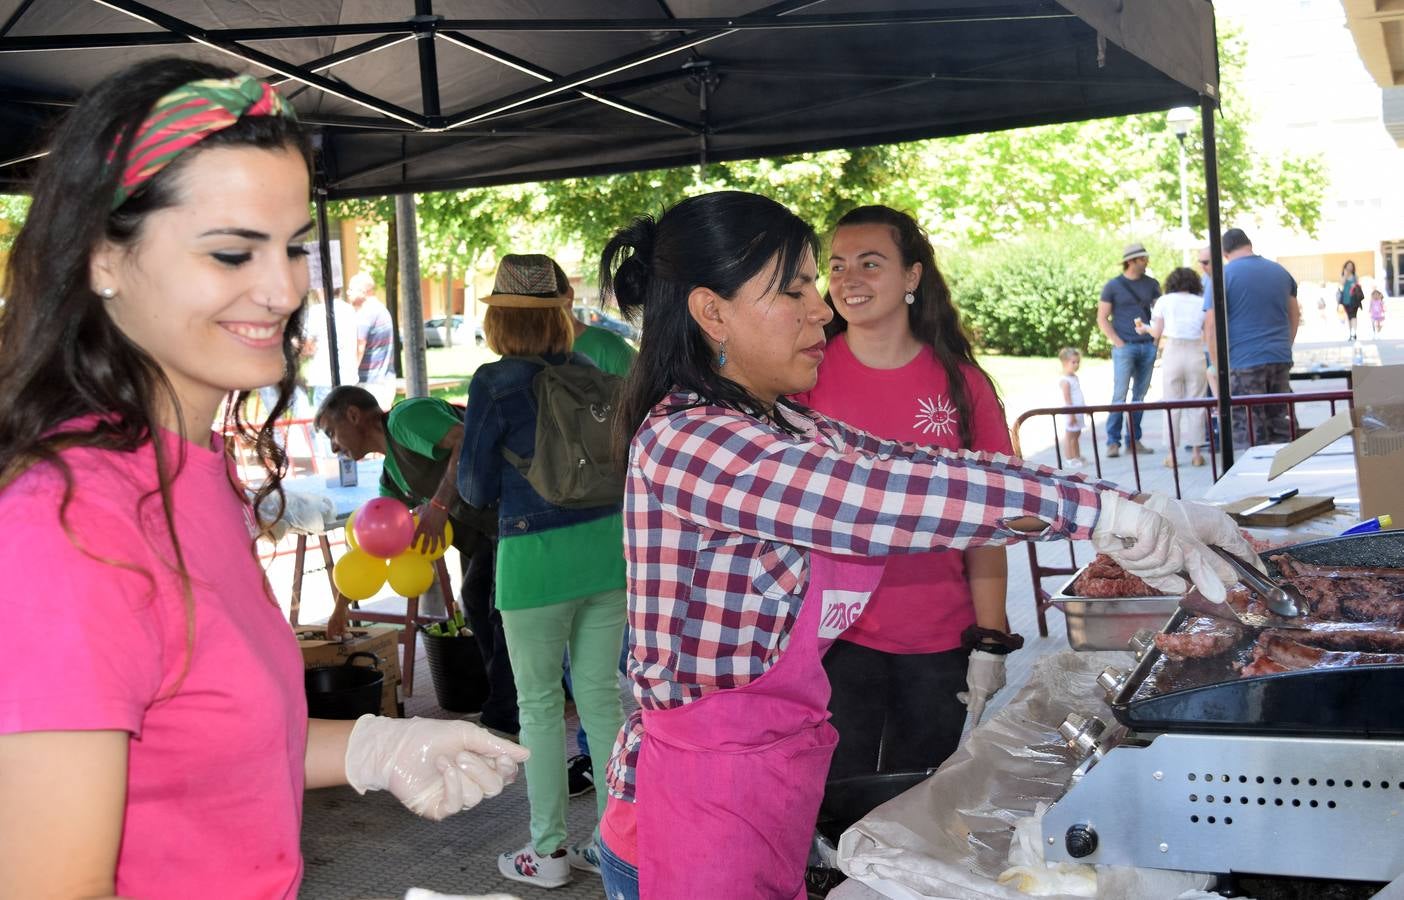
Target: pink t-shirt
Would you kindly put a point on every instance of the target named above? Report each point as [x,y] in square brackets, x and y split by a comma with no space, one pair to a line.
[215,772]
[923,602]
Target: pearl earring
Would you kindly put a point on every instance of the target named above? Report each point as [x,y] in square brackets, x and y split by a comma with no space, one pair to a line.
[107,293]
[721,357]
[910,298]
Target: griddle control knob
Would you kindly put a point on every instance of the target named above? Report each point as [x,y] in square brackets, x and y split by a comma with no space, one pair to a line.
[1111,680]
[1081,840]
[1141,641]
[1081,732]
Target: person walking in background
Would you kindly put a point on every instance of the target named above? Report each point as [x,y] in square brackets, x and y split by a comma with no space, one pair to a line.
[1070,389]
[1178,317]
[1126,299]
[1350,295]
[164,752]
[375,339]
[545,613]
[1261,299]
[899,365]
[1376,311]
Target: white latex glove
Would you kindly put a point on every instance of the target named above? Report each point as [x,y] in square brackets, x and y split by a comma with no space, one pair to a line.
[984,676]
[1148,545]
[1209,524]
[435,767]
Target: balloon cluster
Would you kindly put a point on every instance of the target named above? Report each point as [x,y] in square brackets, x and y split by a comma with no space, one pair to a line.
[380,538]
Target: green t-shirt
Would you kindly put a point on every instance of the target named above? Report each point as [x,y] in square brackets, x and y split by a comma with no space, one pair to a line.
[418,424]
[609,351]
[561,564]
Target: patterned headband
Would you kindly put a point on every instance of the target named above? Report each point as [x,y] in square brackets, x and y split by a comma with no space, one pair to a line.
[188,115]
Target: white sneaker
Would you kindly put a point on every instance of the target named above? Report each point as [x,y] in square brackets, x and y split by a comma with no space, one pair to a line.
[529,867]
[1075,462]
[585,857]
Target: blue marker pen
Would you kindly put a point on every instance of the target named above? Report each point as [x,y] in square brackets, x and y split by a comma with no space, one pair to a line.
[1378,523]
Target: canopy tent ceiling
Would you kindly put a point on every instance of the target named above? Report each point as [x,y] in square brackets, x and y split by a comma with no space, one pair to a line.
[413,95]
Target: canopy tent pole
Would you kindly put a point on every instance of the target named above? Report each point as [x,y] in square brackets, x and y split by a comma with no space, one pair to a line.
[1207,105]
[327,288]
[411,300]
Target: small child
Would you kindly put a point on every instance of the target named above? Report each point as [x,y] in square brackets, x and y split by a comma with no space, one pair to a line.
[1072,396]
[1376,311]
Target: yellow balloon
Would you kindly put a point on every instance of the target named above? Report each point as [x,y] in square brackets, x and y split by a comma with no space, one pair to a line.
[350,530]
[410,574]
[358,575]
[418,545]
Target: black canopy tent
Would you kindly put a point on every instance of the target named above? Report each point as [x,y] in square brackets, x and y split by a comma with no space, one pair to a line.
[417,95]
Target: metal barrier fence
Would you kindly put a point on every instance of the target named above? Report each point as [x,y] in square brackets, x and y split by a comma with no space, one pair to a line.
[1037,570]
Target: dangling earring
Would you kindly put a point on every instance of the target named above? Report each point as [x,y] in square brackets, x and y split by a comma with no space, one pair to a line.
[107,293]
[721,357]
[910,298]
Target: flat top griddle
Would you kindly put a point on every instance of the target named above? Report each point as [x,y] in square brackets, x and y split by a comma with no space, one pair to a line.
[1208,695]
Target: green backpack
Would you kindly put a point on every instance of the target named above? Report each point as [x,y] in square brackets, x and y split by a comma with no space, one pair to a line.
[574,464]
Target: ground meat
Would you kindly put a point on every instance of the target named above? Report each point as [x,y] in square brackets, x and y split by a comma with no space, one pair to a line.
[1199,638]
[1103,578]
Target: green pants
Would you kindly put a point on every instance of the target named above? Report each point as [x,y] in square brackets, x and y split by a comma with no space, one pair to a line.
[592,627]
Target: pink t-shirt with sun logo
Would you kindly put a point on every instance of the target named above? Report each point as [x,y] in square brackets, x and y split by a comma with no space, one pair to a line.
[923,602]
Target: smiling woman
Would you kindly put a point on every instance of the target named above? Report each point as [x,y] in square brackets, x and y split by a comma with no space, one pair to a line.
[160,274]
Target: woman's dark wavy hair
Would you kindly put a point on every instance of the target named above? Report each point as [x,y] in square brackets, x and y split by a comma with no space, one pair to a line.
[1183,280]
[933,318]
[61,355]
[718,241]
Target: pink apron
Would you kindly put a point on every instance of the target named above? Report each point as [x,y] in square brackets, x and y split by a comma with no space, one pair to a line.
[728,787]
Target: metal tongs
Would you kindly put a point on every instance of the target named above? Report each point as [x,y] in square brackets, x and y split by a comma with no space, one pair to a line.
[1285,600]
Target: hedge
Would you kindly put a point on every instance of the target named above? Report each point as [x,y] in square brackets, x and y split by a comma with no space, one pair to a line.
[1034,295]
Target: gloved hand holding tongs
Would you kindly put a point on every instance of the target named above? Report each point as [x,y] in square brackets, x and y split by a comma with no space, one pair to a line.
[1160,540]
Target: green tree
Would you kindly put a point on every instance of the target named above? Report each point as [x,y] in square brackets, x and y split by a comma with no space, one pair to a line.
[13,210]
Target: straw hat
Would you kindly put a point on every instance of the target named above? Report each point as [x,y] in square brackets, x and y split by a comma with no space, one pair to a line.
[1134,251]
[527,281]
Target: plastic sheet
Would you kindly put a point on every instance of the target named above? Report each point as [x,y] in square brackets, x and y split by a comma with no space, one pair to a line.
[312,513]
[950,835]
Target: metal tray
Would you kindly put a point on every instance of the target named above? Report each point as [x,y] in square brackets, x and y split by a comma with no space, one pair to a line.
[1361,701]
[1108,623]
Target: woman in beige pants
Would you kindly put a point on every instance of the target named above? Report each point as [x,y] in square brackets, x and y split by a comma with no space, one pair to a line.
[1178,316]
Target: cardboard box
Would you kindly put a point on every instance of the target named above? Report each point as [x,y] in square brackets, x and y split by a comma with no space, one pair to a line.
[381,640]
[1376,423]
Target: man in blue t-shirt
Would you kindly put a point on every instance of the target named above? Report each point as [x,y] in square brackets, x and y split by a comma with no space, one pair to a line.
[1126,300]
[1261,302]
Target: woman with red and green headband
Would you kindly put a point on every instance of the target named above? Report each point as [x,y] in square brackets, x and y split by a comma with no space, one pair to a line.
[158,744]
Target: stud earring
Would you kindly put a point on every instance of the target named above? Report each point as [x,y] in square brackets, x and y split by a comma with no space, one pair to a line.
[107,293]
[910,298]
[721,357]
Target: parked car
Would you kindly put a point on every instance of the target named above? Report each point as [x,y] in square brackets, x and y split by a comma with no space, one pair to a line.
[434,333]
[593,315]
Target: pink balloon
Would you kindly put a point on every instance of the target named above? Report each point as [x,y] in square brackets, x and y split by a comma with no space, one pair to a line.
[384,527]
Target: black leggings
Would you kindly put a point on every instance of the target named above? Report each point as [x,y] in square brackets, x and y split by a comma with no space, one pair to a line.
[895,712]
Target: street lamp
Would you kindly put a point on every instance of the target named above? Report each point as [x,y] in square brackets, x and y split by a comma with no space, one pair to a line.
[1180,119]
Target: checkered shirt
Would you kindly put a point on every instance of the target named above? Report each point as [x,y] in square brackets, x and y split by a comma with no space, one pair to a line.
[720,510]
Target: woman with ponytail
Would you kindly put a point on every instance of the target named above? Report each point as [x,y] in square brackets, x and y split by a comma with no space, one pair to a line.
[754,532]
[898,364]
[154,739]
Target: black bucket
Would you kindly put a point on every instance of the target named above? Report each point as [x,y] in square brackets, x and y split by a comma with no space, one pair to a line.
[456,667]
[347,691]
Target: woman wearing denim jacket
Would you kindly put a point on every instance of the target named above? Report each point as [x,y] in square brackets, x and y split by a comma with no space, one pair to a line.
[560,572]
